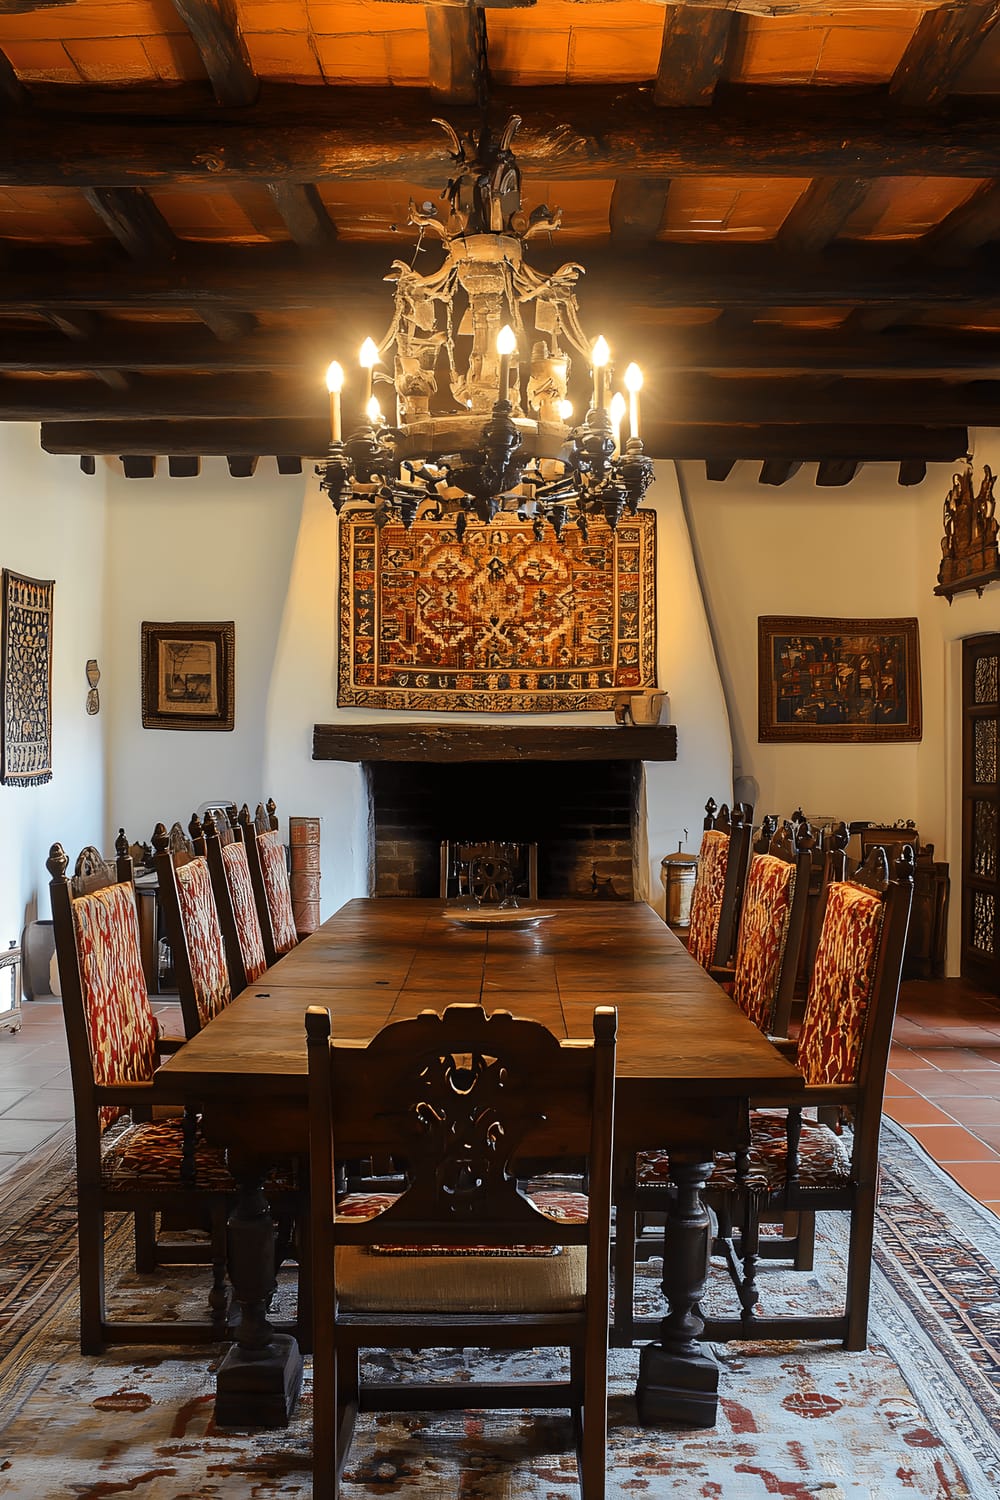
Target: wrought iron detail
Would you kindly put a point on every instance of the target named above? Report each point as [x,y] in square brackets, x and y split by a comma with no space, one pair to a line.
[984,752]
[985,679]
[984,840]
[984,922]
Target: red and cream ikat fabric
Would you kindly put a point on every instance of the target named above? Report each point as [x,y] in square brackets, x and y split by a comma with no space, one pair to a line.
[767,906]
[706,899]
[279,895]
[206,950]
[837,1003]
[120,1024]
[498,622]
[234,861]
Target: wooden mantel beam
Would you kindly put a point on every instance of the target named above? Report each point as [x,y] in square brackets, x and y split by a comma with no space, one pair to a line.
[570,133]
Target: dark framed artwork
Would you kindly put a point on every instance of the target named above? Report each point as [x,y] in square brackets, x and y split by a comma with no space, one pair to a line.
[835,679]
[499,621]
[188,675]
[26,680]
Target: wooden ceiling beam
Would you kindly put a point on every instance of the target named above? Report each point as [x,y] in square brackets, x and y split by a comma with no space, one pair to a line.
[453,66]
[723,445]
[945,41]
[909,353]
[637,208]
[697,400]
[974,223]
[821,213]
[215,29]
[13,94]
[304,215]
[135,221]
[659,276]
[584,132]
[692,55]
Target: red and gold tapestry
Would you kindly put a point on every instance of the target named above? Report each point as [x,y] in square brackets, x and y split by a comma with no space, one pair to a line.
[499,622]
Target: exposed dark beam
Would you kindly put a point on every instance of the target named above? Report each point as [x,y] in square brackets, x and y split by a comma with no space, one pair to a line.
[692,55]
[777,471]
[821,213]
[637,206]
[78,325]
[13,94]
[696,400]
[833,472]
[974,223]
[912,471]
[657,276]
[874,443]
[139,465]
[242,465]
[183,468]
[215,28]
[908,353]
[576,133]
[453,61]
[304,214]
[227,323]
[88,463]
[288,464]
[135,221]
[945,41]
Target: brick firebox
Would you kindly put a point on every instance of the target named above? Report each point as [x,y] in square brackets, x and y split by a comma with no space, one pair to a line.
[576,792]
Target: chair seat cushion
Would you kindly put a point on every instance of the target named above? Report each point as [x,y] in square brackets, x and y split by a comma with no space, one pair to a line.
[148,1156]
[824,1159]
[454,1279]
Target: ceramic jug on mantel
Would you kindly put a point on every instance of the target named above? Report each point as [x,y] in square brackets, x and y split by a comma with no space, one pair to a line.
[642,708]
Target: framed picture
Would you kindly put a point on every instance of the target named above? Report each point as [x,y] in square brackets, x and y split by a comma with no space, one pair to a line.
[26,681]
[849,680]
[188,674]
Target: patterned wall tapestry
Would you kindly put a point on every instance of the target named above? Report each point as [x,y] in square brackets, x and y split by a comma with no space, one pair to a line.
[498,622]
[26,680]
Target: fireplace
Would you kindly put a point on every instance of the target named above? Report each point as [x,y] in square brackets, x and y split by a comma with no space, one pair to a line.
[576,792]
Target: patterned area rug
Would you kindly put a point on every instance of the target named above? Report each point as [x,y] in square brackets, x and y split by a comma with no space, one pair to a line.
[918,1415]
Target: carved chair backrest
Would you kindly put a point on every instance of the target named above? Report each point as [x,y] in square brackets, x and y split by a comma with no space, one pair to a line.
[110,1028]
[193,930]
[772,923]
[461,1098]
[234,899]
[719,884]
[272,891]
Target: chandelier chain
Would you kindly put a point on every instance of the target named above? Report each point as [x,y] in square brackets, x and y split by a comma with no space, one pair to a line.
[482,64]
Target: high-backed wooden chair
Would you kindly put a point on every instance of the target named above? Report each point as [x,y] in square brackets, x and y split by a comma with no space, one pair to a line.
[463,1256]
[269,878]
[718,887]
[193,931]
[795,1164]
[147,1166]
[232,887]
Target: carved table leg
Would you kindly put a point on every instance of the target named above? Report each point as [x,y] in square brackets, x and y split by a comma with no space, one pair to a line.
[259,1380]
[678,1376]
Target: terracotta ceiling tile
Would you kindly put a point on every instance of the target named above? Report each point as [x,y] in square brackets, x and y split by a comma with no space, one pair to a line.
[149,315]
[285,57]
[523,52]
[90,19]
[732,208]
[586,206]
[273,15]
[366,59]
[111,60]
[340,17]
[897,208]
[853,46]
[41,62]
[37,214]
[622,53]
[245,216]
[378,210]
[801,317]
[174,58]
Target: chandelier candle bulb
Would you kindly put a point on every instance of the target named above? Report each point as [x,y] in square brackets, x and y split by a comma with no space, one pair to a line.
[369,359]
[633,384]
[506,344]
[335,384]
[600,355]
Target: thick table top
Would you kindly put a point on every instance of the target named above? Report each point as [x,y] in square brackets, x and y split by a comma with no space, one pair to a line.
[382,959]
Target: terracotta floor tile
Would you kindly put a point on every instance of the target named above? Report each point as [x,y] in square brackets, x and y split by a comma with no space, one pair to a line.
[935,1085]
[988,1133]
[916,1111]
[958,1059]
[981,1179]
[895,1088]
[973,1110]
[907,1057]
[950,1143]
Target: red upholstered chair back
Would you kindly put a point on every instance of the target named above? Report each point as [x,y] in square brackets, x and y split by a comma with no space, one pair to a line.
[194,931]
[274,869]
[110,1025]
[718,890]
[706,899]
[234,863]
[771,924]
[841,987]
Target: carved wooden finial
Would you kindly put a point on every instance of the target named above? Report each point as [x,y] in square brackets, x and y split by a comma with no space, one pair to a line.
[208,826]
[121,844]
[272,812]
[161,838]
[711,808]
[58,862]
[903,870]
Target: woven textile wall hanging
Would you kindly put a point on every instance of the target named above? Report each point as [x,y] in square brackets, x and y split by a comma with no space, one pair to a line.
[26,680]
[499,622]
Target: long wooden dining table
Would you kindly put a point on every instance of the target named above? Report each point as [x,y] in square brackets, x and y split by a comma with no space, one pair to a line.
[687,1057]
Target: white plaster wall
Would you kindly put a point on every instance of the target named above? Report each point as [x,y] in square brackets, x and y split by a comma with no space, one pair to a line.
[53,527]
[263,552]
[870,549]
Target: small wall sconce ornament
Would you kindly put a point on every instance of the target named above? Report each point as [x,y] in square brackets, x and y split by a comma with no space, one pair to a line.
[93,678]
[970,556]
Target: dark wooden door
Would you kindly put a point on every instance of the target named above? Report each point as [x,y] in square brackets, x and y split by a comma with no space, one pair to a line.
[981,811]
